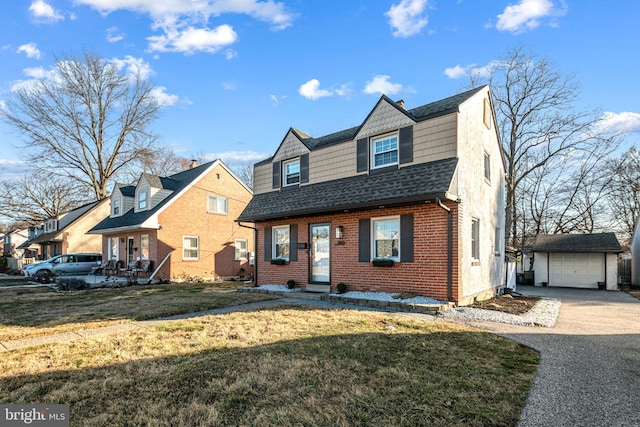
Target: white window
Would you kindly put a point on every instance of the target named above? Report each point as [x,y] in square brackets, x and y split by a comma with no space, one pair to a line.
[487,166]
[190,247]
[116,206]
[241,249]
[386,238]
[291,172]
[280,248]
[144,246]
[217,204]
[475,239]
[497,247]
[384,151]
[142,200]
[113,248]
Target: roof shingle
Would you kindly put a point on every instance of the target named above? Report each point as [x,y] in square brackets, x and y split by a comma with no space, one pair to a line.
[596,242]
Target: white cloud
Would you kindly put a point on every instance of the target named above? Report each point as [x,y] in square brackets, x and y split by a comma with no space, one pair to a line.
[234,158]
[407,17]
[459,71]
[527,15]
[133,66]
[164,98]
[190,40]
[114,35]
[455,72]
[311,90]
[29,49]
[620,123]
[381,84]
[43,11]
[184,23]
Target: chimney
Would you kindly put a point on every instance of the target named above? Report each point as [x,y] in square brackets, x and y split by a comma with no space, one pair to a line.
[401,104]
[194,164]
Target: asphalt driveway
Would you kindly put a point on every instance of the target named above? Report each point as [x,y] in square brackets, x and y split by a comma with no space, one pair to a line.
[589,372]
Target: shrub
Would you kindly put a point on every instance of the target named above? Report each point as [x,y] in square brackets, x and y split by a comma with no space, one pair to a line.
[291,284]
[3,264]
[71,284]
[342,287]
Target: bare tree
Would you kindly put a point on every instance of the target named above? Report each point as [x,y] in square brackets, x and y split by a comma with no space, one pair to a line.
[161,161]
[624,197]
[538,124]
[33,198]
[245,173]
[85,120]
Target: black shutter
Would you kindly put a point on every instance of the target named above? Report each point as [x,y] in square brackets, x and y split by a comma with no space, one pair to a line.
[362,147]
[364,240]
[267,244]
[276,175]
[304,168]
[406,238]
[406,144]
[293,242]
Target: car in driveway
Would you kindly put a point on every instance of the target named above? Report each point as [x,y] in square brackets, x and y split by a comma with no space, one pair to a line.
[62,265]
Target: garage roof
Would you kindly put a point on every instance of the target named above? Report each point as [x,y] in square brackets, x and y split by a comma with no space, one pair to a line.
[595,242]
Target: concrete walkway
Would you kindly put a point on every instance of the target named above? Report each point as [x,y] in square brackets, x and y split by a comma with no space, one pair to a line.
[589,372]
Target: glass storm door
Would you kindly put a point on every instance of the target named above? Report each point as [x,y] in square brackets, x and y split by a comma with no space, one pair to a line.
[319,253]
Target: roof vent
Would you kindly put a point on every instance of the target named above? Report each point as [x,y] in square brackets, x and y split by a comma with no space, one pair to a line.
[401,104]
[194,164]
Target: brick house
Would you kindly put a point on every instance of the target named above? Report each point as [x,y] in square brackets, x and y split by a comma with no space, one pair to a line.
[421,190]
[66,233]
[183,223]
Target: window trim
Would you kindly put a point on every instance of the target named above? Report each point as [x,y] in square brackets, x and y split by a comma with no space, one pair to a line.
[285,176]
[111,254]
[117,204]
[372,155]
[487,166]
[141,200]
[475,239]
[395,218]
[197,248]
[274,251]
[217,198]
[246,249]
[497,246]
[143,247]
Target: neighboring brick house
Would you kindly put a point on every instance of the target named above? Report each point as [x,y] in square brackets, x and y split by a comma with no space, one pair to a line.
[66,233]
[423,188]
[183,223]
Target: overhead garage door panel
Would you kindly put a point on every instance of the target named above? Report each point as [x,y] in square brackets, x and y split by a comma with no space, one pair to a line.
[576,270]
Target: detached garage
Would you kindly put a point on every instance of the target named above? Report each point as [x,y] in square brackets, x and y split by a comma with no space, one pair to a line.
[587,261]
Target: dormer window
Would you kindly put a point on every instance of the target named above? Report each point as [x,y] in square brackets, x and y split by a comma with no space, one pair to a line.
[116,206]
[142,200]
[384,151]
[291,172]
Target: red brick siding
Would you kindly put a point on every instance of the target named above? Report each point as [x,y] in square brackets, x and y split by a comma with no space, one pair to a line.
[426,276]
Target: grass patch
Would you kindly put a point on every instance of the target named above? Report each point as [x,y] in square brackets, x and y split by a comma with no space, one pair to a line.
[280,366]
[634,292]
[33,312]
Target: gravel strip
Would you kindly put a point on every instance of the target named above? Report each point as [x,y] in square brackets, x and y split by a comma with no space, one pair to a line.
[544,313]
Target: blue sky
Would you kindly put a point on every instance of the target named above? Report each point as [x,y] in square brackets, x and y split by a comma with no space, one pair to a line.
[234,75]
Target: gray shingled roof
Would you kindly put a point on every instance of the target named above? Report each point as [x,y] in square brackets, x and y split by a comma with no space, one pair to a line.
[597,242]
[410,184]
[131,219]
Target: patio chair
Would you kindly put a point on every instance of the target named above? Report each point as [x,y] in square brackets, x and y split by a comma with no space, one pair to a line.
[112,267]
[130,269]
[145,269]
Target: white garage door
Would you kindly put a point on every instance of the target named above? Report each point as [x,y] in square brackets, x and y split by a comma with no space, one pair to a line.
[576,270]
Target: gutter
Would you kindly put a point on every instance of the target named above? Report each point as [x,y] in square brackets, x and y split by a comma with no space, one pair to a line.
[449,249]
[255,251]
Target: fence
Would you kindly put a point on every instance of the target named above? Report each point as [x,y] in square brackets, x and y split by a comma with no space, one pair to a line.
[624,272]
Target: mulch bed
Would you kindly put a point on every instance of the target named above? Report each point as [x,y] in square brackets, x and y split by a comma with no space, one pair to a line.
[508,303]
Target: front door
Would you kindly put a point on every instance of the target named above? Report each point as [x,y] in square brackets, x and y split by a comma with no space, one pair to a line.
[130,243]
[319,253]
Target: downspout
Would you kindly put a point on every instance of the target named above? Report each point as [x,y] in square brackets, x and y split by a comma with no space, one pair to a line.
[255,251]
[449,249]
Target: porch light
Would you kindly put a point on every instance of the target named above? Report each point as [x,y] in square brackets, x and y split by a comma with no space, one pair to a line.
[339,231]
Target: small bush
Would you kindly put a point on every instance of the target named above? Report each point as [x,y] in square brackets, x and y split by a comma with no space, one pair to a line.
[3,264]
[341,287]
[72,284]
[291,284]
